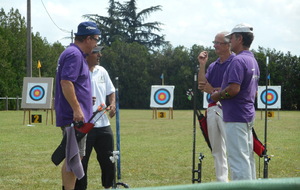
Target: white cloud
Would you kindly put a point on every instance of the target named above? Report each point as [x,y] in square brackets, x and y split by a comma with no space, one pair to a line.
[276,22]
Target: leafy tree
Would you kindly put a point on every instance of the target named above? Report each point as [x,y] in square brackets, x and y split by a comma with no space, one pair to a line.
[135,28]
[129,62]
[111,27]
[13,31]
[13,54]
[125,24]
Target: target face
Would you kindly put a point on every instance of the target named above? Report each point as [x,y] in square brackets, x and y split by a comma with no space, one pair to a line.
[37,93]
[270,97]
[206,98]
[161,96]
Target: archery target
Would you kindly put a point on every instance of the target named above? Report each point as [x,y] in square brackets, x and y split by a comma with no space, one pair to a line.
[270,97]
[37,93]
[206,97]
[162,96]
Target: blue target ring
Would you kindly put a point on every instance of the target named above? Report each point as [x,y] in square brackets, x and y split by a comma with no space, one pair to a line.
[269,98]
[162,96]
[37,93]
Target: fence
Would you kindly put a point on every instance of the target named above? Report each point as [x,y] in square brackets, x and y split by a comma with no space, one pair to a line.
[10,103]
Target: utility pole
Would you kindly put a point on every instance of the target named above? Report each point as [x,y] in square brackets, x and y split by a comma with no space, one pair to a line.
[29,41]
[72,37]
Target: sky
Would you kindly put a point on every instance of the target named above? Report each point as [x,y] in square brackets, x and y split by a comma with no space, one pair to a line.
[276,23]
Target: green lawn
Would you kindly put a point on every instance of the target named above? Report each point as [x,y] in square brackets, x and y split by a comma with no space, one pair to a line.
[153,152]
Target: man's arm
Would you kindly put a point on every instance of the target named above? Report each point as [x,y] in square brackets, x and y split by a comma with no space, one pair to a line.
[229,92]
[69,93]
[202,59]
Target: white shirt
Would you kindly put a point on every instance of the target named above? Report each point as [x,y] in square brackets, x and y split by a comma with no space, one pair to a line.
[102,86]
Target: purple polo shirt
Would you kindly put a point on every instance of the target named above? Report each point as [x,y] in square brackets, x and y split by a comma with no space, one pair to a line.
[72,66]
[244,71]
[215,72]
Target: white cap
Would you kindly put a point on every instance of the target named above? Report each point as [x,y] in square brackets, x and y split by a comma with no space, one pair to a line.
[241,28]
[97,49]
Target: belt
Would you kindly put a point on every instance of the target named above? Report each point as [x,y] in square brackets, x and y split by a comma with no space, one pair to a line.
[214,104]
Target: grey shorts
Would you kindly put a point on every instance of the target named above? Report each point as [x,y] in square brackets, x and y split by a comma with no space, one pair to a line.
[81,143]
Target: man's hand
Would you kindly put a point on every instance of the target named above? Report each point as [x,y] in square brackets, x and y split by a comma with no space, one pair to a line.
[78,115]
[112,110]
[215,96]
[203,57]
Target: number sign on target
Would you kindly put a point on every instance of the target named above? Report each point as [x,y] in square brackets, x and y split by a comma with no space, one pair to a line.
[270,96]
[162,96]
[37,93]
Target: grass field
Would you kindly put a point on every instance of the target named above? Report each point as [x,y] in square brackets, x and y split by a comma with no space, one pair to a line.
[153,152]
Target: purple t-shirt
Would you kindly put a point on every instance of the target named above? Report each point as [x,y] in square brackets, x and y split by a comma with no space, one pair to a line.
[215,72]
[243,70]
[72,66]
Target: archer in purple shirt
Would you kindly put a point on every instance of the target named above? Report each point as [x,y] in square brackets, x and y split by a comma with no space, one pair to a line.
[244,71]
[72,66]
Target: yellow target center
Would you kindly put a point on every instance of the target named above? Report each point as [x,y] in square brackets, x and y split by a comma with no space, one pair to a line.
[37,93]
[269,97]
[162,96]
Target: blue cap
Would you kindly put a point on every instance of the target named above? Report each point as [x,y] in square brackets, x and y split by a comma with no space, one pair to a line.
[87,28]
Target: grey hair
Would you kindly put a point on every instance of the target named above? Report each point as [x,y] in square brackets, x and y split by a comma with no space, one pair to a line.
[225,33]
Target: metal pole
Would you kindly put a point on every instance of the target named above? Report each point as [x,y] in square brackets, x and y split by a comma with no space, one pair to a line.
[6,103]
[72,37]
[29,41]
[118,129]
[17,103]
[194,128]
[266,159]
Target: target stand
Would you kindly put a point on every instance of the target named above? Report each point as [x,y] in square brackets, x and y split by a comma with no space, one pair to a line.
[37,95]
[159,114]
[29,111]
[162,97]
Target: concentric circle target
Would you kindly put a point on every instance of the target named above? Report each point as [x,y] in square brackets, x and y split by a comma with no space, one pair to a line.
[162,96]
[207,97]
[37,93]
[269,98]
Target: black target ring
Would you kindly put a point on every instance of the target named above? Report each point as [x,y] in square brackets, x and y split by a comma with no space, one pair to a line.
[162,96]
[37,93]
[269,98]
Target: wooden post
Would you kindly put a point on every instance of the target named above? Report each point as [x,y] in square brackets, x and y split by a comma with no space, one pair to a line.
[154,113]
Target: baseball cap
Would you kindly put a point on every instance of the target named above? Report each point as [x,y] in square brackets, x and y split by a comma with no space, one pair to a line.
[241,28]
[87,28]
[97,49]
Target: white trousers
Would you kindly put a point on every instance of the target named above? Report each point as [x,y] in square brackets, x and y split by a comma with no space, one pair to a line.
[240,150]
[217,138]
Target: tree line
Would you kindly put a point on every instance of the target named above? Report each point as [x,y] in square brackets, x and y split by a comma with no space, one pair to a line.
[136,59]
